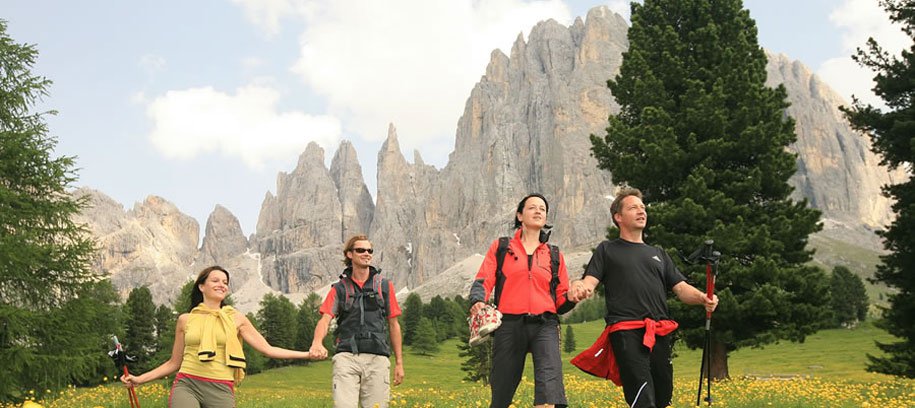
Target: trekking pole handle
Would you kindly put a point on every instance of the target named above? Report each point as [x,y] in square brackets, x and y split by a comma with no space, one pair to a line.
[709,286]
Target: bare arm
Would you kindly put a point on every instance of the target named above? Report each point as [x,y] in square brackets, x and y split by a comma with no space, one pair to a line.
[169,366]
[256,340]
[396,344]
[690,295]
[317,345]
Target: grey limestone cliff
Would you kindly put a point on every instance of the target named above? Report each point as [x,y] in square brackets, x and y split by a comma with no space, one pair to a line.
[524,129]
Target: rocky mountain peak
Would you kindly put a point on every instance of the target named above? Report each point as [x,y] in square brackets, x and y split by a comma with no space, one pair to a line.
[837,171]
[355,200]
[223,238]
[525,128]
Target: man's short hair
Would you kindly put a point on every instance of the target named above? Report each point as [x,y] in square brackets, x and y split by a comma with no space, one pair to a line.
[350,243]
[615,207]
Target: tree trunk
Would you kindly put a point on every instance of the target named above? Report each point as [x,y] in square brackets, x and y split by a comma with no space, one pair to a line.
[719,360]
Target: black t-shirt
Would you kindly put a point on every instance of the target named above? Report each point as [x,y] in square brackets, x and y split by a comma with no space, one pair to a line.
[636,279]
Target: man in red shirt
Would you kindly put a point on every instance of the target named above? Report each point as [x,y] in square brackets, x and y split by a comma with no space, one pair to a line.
[366,310]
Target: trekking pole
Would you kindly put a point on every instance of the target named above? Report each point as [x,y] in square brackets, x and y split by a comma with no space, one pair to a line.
[710,257]
[711,267]
[120,361]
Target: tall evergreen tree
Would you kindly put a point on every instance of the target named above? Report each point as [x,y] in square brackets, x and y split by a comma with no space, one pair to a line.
[140,338]
[440,314]
[705,139]
[73,340]
[891,131]
[165,333]
[308,317]
[568,343]
[477,362]
[45,257]
[849,298]
[412,314]
[277,318]
[425,340]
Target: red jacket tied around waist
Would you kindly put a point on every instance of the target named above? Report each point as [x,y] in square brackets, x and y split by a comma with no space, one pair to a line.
[598,360]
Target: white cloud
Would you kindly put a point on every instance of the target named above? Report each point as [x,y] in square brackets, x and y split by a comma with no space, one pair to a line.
[246,125]
[410,62]
[860,20]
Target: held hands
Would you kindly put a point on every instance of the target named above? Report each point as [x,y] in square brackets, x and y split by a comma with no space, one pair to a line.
[318,352]
[578,291]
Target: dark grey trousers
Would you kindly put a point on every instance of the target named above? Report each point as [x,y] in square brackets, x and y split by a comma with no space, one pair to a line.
[511,342]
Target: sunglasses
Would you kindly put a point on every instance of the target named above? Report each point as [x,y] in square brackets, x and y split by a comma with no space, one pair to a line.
[363,250]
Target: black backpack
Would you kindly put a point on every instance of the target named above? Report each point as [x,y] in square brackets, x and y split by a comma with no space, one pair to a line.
[346,287]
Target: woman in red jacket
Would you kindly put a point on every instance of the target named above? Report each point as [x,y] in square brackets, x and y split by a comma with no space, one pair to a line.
[529,298]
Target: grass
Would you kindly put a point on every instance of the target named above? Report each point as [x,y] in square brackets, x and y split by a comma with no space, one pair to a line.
[827,370]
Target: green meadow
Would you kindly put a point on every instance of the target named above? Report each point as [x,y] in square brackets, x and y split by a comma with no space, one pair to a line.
[827,370]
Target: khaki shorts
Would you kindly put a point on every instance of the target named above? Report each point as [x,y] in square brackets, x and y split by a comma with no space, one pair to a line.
[361,380]
[189,392]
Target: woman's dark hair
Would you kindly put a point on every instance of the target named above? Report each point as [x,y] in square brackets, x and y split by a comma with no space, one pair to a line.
[196,294]
[520,209]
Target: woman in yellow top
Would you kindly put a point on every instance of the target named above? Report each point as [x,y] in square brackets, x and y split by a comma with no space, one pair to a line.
[207,353]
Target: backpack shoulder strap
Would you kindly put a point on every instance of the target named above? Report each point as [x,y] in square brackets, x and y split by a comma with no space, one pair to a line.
[501,250]
[554,270]
[345,294]
[380,286]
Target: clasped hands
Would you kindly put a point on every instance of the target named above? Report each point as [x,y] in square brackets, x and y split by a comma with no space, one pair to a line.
[579,291]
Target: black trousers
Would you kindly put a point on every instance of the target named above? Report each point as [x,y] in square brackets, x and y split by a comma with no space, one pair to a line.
[511,342]
[648,376]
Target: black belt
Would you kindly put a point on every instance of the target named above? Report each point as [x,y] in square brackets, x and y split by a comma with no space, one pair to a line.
[531,318]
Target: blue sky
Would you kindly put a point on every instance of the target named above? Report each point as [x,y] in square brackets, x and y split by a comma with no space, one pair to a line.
[203,102]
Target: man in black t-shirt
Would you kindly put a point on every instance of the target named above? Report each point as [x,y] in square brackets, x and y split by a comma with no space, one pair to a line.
[636,278]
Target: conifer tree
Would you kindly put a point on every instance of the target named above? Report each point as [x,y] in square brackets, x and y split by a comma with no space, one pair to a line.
[890,130]
[439,313]
[277,318]
[849,298]
[568,343]
[425,341]
[308,317]
[73,341]
[165,333]
[706,141]
[140,339]
[412,314]
[45,257]
[477,362]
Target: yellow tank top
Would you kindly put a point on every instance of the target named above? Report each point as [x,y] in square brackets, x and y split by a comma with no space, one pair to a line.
[191,364]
